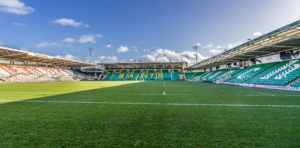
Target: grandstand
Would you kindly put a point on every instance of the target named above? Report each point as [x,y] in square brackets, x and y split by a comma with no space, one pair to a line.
[269,60]
[143,71]
[23,66]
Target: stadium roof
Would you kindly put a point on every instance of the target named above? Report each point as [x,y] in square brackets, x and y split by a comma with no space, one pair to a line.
[282,39]
[19,55]
[157,65]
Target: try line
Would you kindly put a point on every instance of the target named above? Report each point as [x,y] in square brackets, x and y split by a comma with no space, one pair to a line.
[140,103]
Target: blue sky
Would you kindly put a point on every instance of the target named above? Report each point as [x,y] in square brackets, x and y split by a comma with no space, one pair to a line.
[149,30]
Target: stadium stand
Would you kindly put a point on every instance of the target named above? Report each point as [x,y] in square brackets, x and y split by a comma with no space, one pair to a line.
[167,75]
[225,74]
[249,72]
[280,74]
[277,73]
[269,61]
[296,84]
[142,75]
[17,73]
[189,75]
[175,75]
[34,67]
[196,76]
[143,71]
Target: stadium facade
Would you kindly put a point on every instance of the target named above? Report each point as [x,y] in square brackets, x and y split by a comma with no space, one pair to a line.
[271,60]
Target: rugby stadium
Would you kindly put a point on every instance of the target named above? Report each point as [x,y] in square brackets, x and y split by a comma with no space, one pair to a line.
[246,96]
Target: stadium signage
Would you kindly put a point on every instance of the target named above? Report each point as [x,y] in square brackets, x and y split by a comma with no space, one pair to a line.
[143,75]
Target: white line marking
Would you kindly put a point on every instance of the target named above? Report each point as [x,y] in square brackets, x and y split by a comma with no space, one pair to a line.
[273,95]
[166,104]
[166,94]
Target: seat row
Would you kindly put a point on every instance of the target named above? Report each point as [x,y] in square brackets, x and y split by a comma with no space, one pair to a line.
[13,73]
[139,76]
[278,73]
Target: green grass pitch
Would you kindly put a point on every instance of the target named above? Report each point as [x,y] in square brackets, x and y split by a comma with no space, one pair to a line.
[137,114]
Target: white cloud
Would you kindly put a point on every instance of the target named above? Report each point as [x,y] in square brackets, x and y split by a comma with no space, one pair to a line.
[68,57]
[256,34]
[159,55]
[219,47]
[47,44]
[99,35]
[90,38]
[122,49]
[197,45]
[24,49]
[107,59]
[148,58]
[83,39]
[208,46]
[87,39]
[70,22]
[166,55]
[135,48]
[15,7]
[108,46]
[1,43]
[215,51]
[146,50]
[69,40]
[18,24]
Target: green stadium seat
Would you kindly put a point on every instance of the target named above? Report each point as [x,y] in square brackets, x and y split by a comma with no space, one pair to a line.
[280,74]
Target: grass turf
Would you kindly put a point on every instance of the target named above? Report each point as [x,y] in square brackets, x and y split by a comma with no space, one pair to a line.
[42,124]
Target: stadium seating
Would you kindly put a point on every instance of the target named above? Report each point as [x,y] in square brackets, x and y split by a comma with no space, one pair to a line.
[280,74]
[83,75]
[118,76]
[160,76]
[108,76]
[16,73]
[175,76]
[249,72]
[222,75]
[196,76]
[151,75]
[167,75]
[132,76]
[296,84]
[137,75]
[203,76]
[189,76]
[3,73]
